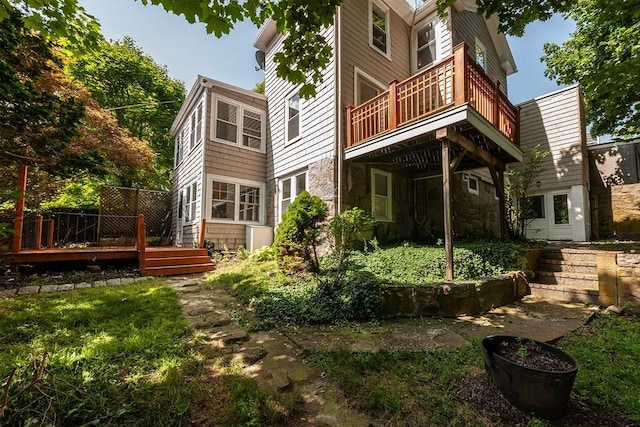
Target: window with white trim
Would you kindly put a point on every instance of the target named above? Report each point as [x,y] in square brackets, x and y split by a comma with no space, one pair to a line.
[481,55]
[237,124]
[189,195]
[195,126]
[426,52]
[381,197]
[366,87]
[289,188]
[379,26]
[534,208]
[178,149]
[236,200]
[292,117]
[473,184]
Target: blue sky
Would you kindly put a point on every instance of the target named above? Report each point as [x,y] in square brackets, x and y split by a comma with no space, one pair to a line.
[187,50]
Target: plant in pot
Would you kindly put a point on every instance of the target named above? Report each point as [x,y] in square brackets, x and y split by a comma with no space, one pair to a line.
[534,376]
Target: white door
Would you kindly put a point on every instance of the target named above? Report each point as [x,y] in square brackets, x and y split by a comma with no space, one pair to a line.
[559,218]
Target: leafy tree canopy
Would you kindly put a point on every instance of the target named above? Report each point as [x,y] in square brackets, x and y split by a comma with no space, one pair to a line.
[139,92]
[603,55]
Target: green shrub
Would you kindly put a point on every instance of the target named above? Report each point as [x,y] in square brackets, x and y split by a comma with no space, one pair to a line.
[299,232]
[315,300]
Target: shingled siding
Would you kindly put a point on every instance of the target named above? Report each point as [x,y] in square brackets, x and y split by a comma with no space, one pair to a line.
[466,27]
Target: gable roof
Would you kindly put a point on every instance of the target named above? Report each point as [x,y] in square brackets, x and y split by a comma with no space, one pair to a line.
[201,83]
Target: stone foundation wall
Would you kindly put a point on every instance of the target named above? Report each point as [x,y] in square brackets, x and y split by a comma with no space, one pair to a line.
[453,299]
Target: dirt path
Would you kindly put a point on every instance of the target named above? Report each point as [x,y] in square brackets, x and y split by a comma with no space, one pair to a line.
[274,359]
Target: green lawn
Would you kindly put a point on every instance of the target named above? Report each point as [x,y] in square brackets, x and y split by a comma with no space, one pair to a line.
[111,355]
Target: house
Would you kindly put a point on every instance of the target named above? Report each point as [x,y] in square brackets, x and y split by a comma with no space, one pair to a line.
[412,123]
[559,201]
[220,165]
[615,189]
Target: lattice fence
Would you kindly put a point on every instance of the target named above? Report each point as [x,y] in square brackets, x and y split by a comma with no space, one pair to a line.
[119,207]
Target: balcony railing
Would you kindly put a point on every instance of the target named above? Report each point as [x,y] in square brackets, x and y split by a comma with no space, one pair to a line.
[453,81]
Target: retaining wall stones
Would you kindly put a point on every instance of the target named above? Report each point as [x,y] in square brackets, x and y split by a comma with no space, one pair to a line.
[453,299]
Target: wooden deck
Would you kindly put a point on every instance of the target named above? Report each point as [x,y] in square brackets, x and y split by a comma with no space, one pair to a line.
[156,261]
[71,254]
[454,81]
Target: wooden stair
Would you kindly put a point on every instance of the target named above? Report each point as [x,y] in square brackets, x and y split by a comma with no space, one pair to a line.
[175,261]
[567,274]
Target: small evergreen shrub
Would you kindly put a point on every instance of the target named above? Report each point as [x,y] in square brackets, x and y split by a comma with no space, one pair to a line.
[300,232]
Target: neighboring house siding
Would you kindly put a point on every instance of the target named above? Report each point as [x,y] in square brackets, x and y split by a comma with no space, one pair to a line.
[555,122]
[466,27]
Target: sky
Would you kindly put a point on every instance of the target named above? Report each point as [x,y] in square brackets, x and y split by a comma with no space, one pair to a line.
[187,50]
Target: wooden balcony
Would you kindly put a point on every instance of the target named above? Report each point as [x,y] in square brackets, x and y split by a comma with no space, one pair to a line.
[452,82]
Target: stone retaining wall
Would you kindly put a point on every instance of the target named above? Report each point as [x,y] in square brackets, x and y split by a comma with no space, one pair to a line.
[453,299]
[629,280]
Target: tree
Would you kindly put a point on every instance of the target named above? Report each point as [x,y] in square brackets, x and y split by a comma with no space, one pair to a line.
[603,55]
[52,123]
[518,190]
[139,92]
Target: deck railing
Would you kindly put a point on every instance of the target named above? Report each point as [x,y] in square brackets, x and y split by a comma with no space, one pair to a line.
[453,81]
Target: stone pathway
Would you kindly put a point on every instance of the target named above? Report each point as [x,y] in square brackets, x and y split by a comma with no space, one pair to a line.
[30,290]
[274,360]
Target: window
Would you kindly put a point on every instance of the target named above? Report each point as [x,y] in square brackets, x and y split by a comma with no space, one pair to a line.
[481,55]
[379,27]
[290,187]
[292,113]
[534,208]
[560,209]
[223,200]
[192,130]
[234,199]
[426,45]
[178,150]
[239,125]
[366,87]
[189,195]
[226,122]
[249,203]
[381,195]
[473,184]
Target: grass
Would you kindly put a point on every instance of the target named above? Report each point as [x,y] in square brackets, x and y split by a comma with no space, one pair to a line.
[118,356]
[416,389]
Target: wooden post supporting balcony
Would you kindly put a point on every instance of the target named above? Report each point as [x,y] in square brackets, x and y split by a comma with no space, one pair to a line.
[50,234]
[393,105]
[496,104]
[460,83]
[141,242]
[203,232]
[18,222]
[446,200]
[349,125]
[39,232]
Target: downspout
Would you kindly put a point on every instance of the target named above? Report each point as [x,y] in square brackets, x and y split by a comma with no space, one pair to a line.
[338,108]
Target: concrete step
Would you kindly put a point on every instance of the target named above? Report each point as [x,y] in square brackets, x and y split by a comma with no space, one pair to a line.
[178,269]
[575,280]
[564,293]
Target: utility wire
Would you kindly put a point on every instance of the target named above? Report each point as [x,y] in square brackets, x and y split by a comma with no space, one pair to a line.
[140,105]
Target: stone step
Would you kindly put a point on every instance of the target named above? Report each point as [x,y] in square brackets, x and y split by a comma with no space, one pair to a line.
[175,270]
[575,280]
[569,255]
[556,265]
[564,293]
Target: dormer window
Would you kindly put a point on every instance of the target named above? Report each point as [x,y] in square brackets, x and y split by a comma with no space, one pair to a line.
[379,26]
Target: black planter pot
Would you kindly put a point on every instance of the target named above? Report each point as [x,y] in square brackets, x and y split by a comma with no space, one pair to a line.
[543,393]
